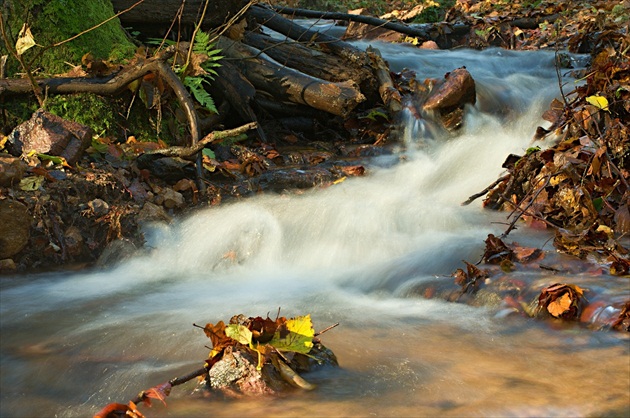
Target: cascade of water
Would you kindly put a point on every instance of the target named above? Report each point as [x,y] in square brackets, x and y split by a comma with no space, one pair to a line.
[341,253]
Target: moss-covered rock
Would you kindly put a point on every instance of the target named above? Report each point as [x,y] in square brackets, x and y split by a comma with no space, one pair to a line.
[53,21]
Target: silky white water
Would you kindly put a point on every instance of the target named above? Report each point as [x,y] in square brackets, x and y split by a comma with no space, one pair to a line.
[71,343]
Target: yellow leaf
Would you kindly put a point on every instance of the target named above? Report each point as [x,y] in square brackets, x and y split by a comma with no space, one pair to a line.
[340,180]
[599,102]
[560,305]
[297,337]
[239,333]
[25,40]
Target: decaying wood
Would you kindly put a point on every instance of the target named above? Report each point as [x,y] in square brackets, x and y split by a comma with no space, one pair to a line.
[287,84]
[162,12]
[421,32]
[235,89]
[389,94]
[274,21]
[307,60]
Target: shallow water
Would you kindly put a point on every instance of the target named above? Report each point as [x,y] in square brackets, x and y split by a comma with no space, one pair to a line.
[71,343]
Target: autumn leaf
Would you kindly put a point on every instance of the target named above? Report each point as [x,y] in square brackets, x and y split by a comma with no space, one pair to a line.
[159,392]
[25,40]
[295,335]
[560,305]
[32,183]
[239,333]
[599,102]
[217,335]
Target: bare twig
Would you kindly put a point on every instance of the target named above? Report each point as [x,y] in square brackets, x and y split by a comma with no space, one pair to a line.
[485,191]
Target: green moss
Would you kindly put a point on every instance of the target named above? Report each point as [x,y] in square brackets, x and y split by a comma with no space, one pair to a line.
[88,109]
[53,21]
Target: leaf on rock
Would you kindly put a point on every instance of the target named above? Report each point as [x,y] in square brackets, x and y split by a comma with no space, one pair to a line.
[560,305]
[217,335]
[295,335]
[239,333]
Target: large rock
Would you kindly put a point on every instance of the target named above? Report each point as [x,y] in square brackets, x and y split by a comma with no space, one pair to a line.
[46,133]
[15,224]
[11,170]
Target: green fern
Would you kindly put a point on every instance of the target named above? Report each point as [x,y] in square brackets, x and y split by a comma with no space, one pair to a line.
[196,88]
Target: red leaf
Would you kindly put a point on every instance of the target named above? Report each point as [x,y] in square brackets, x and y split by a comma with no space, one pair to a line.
[157,392]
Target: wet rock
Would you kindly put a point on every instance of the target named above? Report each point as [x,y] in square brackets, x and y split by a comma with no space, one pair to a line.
[49,134]
[7,266]
[236,374]
[15,224]
[292,178]
[11,170]
[170,199]
[99,207]
[450,98]
[73,241]
[151,212]
[116,251]
[166,168]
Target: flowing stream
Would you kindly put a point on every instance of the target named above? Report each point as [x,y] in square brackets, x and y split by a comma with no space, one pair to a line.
[74,342]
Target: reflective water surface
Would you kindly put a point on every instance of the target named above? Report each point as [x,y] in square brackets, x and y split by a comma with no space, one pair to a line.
[71,343]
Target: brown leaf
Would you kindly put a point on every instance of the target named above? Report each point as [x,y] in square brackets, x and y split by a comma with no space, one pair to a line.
[560,305]
[157,392]
[496,251]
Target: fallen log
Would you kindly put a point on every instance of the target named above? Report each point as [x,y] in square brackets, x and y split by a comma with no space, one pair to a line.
[160,13]
[274,21]
[287,84]
[422,32]
[307,60]
[389,94]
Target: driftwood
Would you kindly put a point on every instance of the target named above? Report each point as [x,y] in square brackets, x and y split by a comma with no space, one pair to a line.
[233,88]
[307,60]
[287,84]
[274,21]
[389,94]
[422,32]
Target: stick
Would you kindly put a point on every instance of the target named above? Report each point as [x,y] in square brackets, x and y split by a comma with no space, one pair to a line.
[484,191]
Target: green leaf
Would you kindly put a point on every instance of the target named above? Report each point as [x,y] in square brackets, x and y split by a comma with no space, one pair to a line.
[32,183]
[207,152]
[598,203]
[599,102]
[53,158]
[297,336]
[239,333]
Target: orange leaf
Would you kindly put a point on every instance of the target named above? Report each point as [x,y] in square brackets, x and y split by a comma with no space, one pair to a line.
[560,305]
[112,409]
[157,392]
